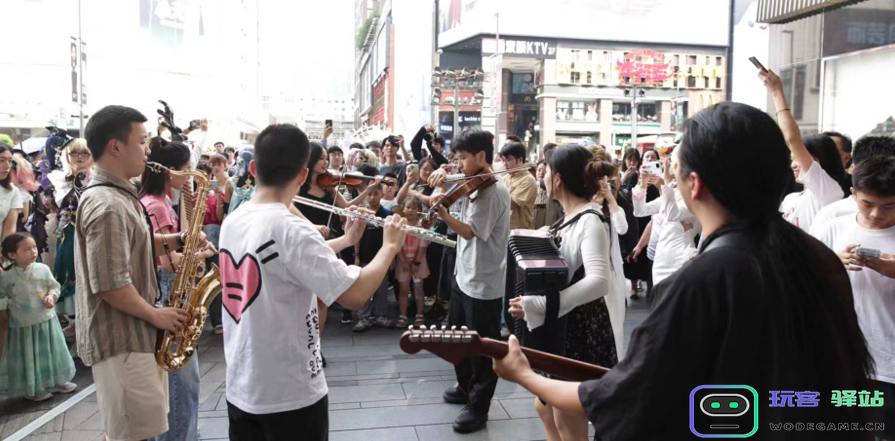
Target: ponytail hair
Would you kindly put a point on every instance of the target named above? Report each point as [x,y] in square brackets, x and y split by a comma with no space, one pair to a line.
[11,245]
[740,155]
[580,172]
[167,153]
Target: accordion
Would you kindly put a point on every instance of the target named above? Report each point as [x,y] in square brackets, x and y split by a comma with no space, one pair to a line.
[537,269]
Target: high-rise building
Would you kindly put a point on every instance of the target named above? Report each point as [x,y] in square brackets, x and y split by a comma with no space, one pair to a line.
[394,44]
[201,57]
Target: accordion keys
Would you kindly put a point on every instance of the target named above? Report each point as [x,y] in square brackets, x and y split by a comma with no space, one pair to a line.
[536,268]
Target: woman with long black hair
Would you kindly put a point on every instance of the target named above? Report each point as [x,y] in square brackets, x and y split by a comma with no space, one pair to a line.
[815,163]
[183,402]
[763,305]
[594,326]
[637,268]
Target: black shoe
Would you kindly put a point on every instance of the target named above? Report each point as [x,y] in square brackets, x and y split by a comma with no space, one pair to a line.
[455,395]
[470,421]
[346,317]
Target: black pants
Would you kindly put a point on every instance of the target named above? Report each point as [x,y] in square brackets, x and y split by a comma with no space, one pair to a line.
[475,375]
[306,424]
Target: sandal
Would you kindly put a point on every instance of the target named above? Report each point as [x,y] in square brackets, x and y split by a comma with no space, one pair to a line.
[402,321]
[419,321]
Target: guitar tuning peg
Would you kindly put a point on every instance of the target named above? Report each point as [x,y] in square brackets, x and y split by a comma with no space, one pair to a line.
[410,328]
[464,328]
[453,328]
[432,328]
[444,328]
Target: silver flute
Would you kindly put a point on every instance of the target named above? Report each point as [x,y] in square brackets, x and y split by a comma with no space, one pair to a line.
[377,222]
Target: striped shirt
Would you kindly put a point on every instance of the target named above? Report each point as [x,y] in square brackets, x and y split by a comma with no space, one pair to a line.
[113,249]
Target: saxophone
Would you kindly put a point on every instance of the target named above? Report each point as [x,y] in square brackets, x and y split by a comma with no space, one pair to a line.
[173,350]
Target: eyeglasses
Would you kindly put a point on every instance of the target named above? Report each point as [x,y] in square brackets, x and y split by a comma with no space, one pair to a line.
[81,154]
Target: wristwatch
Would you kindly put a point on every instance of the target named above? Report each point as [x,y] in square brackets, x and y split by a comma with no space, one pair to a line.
[181,239]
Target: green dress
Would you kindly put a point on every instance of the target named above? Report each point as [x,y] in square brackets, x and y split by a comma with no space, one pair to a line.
[36,356]
[64,267]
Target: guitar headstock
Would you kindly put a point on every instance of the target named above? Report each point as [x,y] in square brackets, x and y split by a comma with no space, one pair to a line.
[452,345]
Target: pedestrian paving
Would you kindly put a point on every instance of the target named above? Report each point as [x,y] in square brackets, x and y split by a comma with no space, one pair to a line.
[376,392]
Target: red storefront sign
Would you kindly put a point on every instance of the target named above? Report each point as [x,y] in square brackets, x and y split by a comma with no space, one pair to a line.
[650,68]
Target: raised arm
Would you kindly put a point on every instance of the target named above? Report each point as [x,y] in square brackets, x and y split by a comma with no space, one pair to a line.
[787,122]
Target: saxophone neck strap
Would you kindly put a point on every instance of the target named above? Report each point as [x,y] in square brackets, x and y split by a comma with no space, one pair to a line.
[158,296]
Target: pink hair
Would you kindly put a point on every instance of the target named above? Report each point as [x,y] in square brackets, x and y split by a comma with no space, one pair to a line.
[25,173]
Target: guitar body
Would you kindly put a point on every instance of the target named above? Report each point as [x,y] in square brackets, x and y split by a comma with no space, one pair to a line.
[454,345]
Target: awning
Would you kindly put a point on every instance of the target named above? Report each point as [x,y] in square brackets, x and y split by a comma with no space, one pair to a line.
[785,11]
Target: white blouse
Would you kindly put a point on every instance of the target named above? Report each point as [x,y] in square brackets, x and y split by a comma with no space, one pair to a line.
[586,242]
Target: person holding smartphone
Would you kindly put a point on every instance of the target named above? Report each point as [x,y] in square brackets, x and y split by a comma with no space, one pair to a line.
[815,162]
[872,278]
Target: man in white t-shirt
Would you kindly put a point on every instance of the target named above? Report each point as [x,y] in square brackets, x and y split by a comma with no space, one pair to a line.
[872,278]
[865,148]
[275,267]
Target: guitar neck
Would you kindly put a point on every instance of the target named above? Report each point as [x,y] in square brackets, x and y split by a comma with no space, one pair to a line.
[572,370]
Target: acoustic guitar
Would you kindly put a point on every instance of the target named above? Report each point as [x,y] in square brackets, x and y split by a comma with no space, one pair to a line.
[453,345]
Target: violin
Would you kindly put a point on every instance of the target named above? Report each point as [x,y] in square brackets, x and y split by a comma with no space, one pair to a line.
[470,185]
[351,180]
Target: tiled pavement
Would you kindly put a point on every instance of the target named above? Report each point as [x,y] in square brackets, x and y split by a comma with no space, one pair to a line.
[376,393]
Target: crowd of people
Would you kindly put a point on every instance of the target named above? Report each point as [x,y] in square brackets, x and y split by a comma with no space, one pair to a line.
[740,290]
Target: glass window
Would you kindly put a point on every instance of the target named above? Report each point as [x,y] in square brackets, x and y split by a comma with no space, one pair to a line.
[621,112]
[691,60]
[648,113]
[523,83]
[847,108]
[577,110]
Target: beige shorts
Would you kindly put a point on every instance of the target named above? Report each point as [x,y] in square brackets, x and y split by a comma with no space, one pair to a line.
[132,391]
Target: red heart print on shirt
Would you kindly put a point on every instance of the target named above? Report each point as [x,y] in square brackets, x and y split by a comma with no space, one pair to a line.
[242,283]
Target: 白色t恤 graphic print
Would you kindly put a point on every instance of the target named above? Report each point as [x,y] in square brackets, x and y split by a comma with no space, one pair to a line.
[242,279]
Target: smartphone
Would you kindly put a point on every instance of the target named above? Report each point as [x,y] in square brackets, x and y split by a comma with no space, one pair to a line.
[653,168]
[329,122]
[757,63]
[194,124]
[214,185]
[412,167]
[867,252]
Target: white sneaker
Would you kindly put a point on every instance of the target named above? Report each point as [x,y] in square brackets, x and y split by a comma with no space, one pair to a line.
[66,388]
[219,330]
[43,396]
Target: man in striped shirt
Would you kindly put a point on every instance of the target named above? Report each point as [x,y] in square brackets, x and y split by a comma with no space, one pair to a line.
[117,287]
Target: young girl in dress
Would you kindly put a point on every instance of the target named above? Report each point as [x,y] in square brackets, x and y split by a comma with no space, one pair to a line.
[412,265]
[36,363]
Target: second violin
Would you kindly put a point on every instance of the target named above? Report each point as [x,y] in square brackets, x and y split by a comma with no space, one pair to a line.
[350,180]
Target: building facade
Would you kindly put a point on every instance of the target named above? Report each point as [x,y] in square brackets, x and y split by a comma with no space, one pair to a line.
[581,80]
[829,55]
[394,65]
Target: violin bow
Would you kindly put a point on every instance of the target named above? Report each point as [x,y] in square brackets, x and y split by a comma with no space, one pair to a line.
[336,189]
[463,178]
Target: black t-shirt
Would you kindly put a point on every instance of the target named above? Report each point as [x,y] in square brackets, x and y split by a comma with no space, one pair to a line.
[317,216]
[399,169]
[371,241]
[709,327]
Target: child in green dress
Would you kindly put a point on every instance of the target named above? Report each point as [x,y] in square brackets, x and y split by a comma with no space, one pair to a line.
[36,362]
